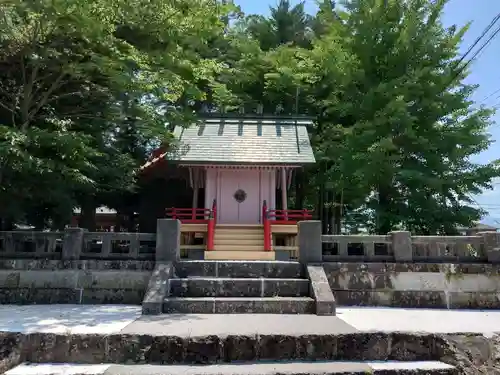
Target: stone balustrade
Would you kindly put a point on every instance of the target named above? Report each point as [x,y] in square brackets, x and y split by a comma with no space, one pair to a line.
[398,246]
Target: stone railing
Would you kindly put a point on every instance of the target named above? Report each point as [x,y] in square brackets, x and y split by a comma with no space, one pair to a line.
[397,246]
[35,245]
[313,247]
[76,244]
[118,245]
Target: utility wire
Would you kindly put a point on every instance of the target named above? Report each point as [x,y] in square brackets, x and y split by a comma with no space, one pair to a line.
[479,38]
[489,96]
[482,208]
[483,46]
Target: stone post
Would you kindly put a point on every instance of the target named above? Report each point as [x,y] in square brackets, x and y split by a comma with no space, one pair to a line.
[310,245]
[401,246]
[491,242]
[168,240]
[72,243]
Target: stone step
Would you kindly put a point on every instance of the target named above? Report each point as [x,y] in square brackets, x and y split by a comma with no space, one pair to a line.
[239,305]
[241,287]
[269,368]
[239,269]
[179,339]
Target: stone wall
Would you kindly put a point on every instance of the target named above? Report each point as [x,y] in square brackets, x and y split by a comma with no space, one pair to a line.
[415,285]
[24,281]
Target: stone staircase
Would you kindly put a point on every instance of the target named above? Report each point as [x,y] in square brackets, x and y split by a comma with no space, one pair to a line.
[236,287]
[232,344]
[239,242]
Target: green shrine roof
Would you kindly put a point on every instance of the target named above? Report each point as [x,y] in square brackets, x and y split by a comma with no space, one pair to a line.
[240,140]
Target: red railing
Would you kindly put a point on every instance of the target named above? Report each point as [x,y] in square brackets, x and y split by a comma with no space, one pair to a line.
[272,217]
[197,216]
[289,216]
[190,215]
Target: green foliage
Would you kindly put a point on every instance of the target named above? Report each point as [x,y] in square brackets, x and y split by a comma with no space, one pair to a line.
[407,127]
[87,87]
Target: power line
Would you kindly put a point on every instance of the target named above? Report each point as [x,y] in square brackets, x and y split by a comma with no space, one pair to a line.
[489,96]
[482,208]
[485,31]
[483,46]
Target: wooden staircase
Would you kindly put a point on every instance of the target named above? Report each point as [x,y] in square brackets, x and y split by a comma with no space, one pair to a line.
[239,242]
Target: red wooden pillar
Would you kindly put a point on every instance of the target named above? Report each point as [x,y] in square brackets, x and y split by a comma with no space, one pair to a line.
[211,226]
[210,233]
[267,228]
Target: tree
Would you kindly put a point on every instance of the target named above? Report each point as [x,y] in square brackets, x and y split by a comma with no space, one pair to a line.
[287,25]
[65,66]
[411,127]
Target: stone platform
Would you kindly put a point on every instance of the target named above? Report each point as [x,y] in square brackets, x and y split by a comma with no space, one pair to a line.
[118,336]
[290,368]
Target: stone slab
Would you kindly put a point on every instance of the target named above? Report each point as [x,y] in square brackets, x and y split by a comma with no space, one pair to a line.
[238,287]
[396,268]
[48,296]
[112,296]
[320,290]
[239,305]
[89,264]
[310,243]
[107,319]
[185,325]
[27,296]
[421,320]
[252,368]
[168,240]
[77,319]
[418,299]
[210,349]
[239,269]
[158,289]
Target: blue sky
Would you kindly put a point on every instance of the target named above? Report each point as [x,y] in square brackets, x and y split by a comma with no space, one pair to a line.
[484,72]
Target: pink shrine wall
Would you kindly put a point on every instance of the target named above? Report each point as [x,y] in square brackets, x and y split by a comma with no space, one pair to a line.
[256,184]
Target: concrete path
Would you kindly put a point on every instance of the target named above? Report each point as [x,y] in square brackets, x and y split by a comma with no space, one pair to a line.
[313,368]
[237,324]
[107,319]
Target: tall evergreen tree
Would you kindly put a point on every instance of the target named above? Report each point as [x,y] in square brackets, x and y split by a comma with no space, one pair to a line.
[412,128]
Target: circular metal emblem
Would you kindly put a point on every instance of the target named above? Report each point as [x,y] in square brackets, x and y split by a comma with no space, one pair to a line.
[240,195]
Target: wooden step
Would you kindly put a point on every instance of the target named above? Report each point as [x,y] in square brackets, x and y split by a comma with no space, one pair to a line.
[238,235]
[238,230]
[285,229]
[239,255]
[243,226]
[240,241]
[239,247]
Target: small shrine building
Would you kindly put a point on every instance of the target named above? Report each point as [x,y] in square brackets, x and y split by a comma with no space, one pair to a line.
[240,170]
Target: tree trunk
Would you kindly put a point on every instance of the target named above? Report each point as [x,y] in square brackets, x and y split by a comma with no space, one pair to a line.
[87,218]
[337,214]
[384,222]
[321,207]
[330,212]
